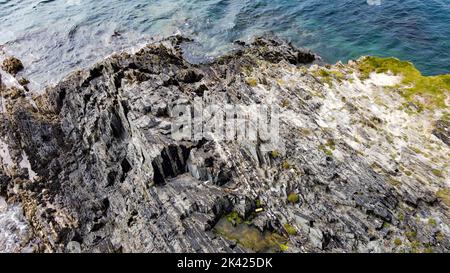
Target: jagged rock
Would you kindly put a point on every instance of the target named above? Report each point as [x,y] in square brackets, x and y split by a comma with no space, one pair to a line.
[12,65]
[96,169]
[23,81]
[275,50]
[442,131]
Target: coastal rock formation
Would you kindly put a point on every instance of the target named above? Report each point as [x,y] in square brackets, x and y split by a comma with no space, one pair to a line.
[12,65]
[363,165]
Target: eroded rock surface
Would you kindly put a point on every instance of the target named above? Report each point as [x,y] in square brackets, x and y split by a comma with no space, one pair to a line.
[12,65]
[95,168]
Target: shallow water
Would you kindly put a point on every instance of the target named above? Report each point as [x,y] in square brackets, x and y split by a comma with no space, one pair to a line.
[249,236]
[54,37]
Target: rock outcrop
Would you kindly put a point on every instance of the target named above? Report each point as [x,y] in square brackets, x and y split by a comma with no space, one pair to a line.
[12,65]
[94,165]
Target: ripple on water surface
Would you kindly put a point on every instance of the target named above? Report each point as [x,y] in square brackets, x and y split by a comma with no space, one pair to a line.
[56,37]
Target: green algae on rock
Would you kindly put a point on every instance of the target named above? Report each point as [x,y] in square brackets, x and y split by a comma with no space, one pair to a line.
[290,229]
[430,91]
[444,196]
[251,237]
[293,198]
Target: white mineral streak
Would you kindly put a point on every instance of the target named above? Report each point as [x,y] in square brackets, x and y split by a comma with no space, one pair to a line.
[383,79]
[25,163]
[13,228]
[5,156]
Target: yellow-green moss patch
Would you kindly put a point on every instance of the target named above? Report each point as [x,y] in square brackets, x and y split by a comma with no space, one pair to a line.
[250,237]
[437,173]
[252,82]
[293,198]
[286,165]
[275,154]
[290,229]
[411,235]
[432,222]
[401,216]
[327,76]
[284,247]
[444,196]
[234,218]
[327,151]
[432,89]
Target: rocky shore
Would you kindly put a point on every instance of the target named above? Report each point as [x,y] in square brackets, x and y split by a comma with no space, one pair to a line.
[364,165]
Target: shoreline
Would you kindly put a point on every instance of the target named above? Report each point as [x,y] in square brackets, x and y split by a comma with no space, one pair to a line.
[49,83]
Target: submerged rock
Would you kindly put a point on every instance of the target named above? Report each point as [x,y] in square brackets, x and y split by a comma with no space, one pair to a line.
[109,176]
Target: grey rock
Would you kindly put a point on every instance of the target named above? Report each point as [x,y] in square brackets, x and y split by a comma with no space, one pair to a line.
[110,177]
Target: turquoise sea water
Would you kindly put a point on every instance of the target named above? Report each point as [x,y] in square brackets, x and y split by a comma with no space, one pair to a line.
[54,37]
